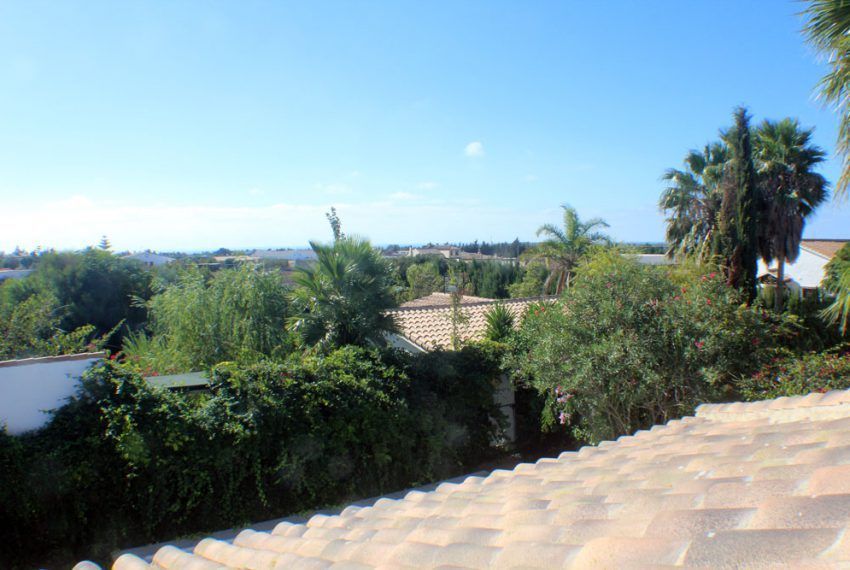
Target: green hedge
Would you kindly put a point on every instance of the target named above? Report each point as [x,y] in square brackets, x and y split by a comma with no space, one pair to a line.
[794,375]
[124,463]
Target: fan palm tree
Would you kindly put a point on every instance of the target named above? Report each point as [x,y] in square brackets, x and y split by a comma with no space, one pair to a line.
[564,247]
[343,298]
[692,200]
[828,29]
[790,190]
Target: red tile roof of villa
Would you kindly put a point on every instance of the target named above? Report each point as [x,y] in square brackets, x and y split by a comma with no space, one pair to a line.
[430,327]
[743,485]
[443,300]
[825,247]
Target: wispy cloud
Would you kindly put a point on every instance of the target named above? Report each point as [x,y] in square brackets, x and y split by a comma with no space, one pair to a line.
[427,185]
[79,220]
[531,178]
[474,149]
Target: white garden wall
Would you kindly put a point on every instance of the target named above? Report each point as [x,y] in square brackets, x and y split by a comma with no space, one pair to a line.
[30,387]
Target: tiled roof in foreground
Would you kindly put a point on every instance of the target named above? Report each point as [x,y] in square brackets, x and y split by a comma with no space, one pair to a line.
[759,485]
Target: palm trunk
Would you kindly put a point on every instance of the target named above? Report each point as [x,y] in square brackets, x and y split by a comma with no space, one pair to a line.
[780,284]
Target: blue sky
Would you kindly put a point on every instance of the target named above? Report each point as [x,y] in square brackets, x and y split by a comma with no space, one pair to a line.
[190,125]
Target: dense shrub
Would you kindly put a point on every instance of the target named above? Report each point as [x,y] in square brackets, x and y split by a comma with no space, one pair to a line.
[794,375]
[94,287]
[628,347]
[125,463]
[31,328]
[199,321]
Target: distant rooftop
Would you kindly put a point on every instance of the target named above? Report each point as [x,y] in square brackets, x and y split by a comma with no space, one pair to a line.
[443,300]
[824,247]
[430,326]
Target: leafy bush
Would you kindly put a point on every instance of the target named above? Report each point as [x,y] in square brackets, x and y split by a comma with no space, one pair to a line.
[793,375]
[94,287]
[237,314]
[500,323]
[31,328]
[627,347]
[125,463]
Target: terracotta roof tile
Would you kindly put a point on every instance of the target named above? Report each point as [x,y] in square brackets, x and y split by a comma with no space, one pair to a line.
[431,326]
[443,300]
[825,247]
[739,485]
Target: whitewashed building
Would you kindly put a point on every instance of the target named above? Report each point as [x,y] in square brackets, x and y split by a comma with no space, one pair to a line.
[150,259]
[806,273]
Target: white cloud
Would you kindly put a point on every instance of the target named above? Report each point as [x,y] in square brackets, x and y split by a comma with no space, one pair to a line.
[255,192]
[474,149]
[531,178]
[402,217]
[428,185]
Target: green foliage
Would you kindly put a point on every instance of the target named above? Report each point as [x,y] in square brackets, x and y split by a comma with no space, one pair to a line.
[794,375]
[790,190]
[827,27]
[490,279]
[343,298]
[741,210]
[565,247]
[692,200]
[532,283]
[31,328]
[741,198]
[125,463]
[627,347]
[93,287]
[837,283]
[500,323]
[424,279]
[237,314]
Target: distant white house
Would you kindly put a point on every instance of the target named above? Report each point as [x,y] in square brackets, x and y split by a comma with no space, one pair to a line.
[651,258]
[806,273]
[284,254]
[150,259]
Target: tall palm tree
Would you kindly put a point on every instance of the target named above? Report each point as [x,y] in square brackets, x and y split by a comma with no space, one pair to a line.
[692,200]
[828,29]
[785,159]
[343,298]
[564,247]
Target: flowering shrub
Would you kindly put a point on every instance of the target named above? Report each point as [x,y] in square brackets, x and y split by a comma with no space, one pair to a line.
[797,375]
[628,347]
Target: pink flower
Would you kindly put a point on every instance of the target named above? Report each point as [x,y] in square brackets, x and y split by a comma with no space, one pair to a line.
[699,344]
[713,275]
[562,418]
[708,301]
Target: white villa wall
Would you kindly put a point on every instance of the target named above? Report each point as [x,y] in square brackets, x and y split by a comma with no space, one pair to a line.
[807,271]
[30,387]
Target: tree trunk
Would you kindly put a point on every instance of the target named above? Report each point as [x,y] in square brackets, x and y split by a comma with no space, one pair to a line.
[780,283]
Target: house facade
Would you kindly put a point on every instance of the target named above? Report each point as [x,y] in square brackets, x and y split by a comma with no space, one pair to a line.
[805,274]
[150,259]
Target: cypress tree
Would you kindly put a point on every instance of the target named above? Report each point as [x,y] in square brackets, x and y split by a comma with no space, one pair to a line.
[736,239]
